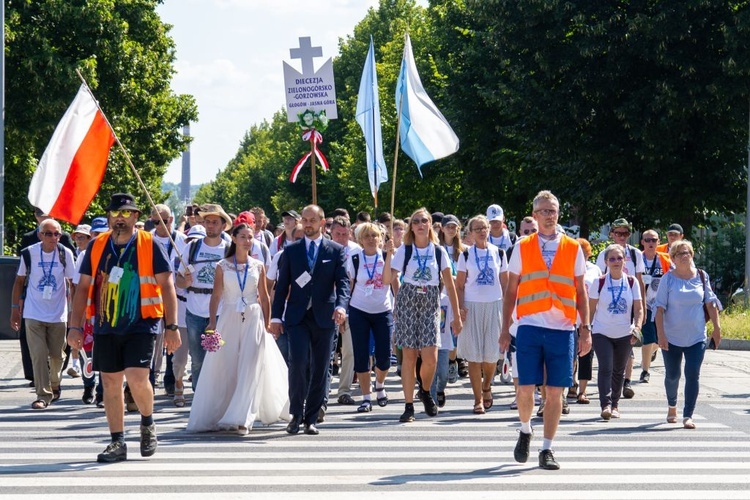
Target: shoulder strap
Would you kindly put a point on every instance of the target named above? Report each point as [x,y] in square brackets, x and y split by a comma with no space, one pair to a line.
[466,254]
[439,250]
[169,243]
[194,247]
[631,281]
[61,253]
[407,257]
[355,263]
[602,279]
[264,251]
[26,255]
[632,256]
[702,274]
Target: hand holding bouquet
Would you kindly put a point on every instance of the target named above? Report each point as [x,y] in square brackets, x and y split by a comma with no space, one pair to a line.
[211,341]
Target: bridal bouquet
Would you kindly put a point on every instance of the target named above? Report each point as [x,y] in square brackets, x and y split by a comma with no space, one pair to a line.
[211,341]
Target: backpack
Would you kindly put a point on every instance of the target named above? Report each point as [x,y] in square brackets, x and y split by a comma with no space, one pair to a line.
[26,256]
[263,251]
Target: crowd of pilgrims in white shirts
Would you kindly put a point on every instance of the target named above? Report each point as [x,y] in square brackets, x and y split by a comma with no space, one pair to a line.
[442,278]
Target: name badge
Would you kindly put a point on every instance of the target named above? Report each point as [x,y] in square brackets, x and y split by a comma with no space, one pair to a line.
[647,279]
[47,292]
[368,289]
[421,289]
[115,274]
[303,279]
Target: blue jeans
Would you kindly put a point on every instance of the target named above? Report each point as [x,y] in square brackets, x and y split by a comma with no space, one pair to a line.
[673,364]
[196,326]
[441,373]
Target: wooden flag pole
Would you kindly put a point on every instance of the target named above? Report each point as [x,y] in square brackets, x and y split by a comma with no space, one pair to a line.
[132,167]
[312,166]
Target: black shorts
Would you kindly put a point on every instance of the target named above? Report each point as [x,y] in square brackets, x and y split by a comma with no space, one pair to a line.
[114,353]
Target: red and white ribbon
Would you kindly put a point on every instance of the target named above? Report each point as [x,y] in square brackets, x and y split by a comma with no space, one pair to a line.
[316,138]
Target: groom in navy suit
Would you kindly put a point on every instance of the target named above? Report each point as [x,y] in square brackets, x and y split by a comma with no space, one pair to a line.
[312,273]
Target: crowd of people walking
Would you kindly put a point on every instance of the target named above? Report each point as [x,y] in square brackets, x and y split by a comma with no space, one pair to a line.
[265,316]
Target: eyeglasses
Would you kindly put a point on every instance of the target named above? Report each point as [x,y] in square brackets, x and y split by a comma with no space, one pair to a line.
[124,213]
[480,229]
[50,233]
[615,259]
[529,231]
[416,222]
[546,212]
[621,234]
[682,254]
[650,240]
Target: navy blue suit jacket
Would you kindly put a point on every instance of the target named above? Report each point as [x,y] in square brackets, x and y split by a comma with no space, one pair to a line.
[329,287]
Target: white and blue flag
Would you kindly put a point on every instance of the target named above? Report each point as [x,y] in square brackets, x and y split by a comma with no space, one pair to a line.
[368,117]
[425,133]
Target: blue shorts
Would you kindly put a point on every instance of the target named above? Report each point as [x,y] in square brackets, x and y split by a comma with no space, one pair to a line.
[649,329]
[544,348]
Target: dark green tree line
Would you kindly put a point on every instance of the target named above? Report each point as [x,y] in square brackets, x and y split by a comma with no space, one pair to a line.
[125,52]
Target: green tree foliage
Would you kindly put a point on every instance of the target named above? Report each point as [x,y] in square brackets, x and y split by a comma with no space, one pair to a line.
[633,108]
[124,51]
[622,108]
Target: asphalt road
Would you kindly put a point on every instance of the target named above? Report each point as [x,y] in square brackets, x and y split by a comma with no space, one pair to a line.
[456,455]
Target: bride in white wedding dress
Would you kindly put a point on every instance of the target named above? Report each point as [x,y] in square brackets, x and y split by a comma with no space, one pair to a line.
[246,379]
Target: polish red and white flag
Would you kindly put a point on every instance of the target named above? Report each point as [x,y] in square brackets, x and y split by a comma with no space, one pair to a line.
[72,167]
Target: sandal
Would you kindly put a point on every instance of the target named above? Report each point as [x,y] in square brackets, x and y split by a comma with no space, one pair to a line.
[384,400]
[688,423]
[672,415]
[39,404]
[479,409]
[572,392]
[487,401]
[582,399]
[55,394]
[365,406]
[179,398]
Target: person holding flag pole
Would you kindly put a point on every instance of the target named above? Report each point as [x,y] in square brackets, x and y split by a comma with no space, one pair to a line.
[126,281]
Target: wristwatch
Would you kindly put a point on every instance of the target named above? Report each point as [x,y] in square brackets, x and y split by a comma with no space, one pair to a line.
[587,327]
[172,327]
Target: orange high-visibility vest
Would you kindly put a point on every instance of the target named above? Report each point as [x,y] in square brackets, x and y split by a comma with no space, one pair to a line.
[539,288]
[663,248]
[664,261]
[150,291]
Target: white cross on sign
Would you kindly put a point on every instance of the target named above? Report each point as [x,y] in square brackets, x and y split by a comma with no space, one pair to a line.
[306,52]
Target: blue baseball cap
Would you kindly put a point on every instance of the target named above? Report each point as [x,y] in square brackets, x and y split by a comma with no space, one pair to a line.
[99,225]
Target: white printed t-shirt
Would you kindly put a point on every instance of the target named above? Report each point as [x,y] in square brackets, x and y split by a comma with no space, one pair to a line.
[203,277]
[47,270]
[480,287]
[612,315]
[414,275]
[378,298]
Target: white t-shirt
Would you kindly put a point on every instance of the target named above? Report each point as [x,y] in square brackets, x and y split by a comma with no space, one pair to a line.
[370,294]
[651,278]
[483,285]
[503,241]
[424,274]
[613,311]
[257,252]
[629,267]
[203,277]
[47,271]
[179,240]
[554,318]
[273,270]
[77,272]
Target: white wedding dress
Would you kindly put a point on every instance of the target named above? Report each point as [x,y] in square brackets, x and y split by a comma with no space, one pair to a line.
[245,380]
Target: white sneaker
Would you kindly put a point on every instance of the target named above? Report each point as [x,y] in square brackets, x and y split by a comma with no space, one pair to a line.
[74,371]
[537,398]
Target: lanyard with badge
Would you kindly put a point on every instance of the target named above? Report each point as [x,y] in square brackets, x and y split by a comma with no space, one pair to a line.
[47,278]
[502,240]
[242,303]
[618,304]
[486,277]
[422,274]
[115,274]
[370,286]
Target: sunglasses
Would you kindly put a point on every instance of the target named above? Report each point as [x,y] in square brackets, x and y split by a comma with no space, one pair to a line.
[416,222]
[615,259]
[650,240]
[118,213]
[156,222]
[49,233]
[621,233]
[529,231]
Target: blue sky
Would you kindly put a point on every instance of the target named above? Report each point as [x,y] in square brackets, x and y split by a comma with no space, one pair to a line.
[229,56]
